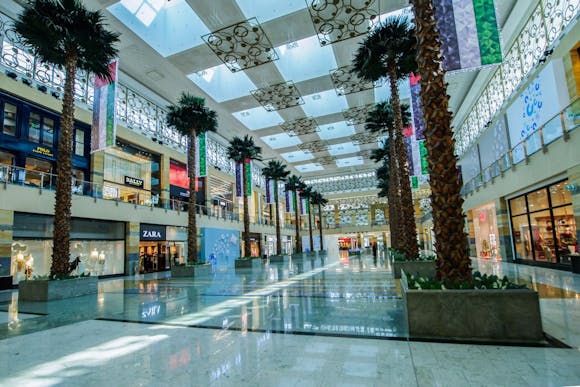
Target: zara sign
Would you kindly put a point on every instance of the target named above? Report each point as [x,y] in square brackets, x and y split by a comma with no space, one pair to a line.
[152,232]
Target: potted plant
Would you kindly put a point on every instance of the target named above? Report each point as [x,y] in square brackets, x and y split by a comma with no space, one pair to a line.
[247,262]
[190,270]
[46,288]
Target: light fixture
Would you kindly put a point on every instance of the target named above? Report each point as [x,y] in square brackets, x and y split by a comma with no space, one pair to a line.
[42,88]
[55,95]
[11,74]
[27,81]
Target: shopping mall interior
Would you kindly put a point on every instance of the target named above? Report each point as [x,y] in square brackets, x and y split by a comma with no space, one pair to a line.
[335,313]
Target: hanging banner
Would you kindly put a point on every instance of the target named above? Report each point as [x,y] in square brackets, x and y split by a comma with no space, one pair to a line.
[409,146]
[417,107]
[414,182]
[270,191]
[248,176]
[468,33]
[239,182]
[423,153]
[290,201]
[103,130]
[200,156]
[302,206]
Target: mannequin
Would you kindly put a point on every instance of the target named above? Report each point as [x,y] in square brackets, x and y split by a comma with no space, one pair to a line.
[101,262]
[29,266]
[92,262]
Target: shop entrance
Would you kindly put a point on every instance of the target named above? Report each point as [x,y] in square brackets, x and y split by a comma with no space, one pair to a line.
[153,257]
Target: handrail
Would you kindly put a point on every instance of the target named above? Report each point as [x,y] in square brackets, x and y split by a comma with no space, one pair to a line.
[559,126]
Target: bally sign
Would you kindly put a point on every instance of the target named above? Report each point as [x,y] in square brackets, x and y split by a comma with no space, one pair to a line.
[151,232]
[133,182]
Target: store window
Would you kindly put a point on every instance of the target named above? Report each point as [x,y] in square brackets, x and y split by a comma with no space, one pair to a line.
[48,132]
[486,232]
[41,128]
[79,146]
[9,113]
[34,127]
[38,172]
[543,225]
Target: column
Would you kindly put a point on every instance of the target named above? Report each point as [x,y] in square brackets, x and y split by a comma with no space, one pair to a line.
[471,234]
[164,180]
[6,223]
[132,238]
[97,172]
[504,232]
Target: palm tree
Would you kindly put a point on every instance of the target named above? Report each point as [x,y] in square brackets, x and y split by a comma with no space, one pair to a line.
[64,33]
[294,184]
[242,151]
[385,184]
[319,200]
[191,118]
[389,51]
[276,171]
[307,194]
[453,263]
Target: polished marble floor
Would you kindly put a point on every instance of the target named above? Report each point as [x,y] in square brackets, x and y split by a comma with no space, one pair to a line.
[313,322]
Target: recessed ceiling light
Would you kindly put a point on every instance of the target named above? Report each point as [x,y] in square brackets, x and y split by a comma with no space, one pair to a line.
[316,97]
[245,114]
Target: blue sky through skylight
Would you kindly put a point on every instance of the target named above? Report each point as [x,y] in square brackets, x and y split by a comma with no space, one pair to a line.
[221,84]
[342,149]
[282,140]
[168,27]
[309,167]
[335,130]
[384,92]
[258,118]
[265,10]
[305,59]
[323,103]
[294,157]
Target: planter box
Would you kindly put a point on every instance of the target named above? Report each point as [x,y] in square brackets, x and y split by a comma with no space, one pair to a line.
[279,258]
[248,263]
[45,290]
[501,316]
[5,282]
[421,268]
[190,271]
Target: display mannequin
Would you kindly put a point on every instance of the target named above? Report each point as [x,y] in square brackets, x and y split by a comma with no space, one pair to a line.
[29,266]
[19,265]
[92,262]
[101,262]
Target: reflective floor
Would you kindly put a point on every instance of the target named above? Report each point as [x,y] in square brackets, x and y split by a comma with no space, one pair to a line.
[321,322]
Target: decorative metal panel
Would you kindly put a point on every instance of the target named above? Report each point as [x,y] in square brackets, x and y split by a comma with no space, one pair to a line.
[364,138]
[362,181]
[557,15]
[300,126]
[357,115]
[314,146]
[345,82]
[279,96]
[336,20]
[242,45]
[532,41]
[326,160]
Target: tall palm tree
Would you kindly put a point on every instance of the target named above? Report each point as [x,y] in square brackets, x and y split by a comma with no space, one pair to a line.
[191,118]
[389,51]
[453,263]
[307,194]
[319,200]
[384,176]
[243,151]
[295,184]
[276,171]
[64,33]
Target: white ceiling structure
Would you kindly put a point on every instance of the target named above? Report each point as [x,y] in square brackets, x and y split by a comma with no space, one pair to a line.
[274,69]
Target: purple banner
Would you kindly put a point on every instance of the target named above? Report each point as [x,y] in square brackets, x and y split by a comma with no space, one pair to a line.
[270,192]
[409,146]
[239,182]
[417,107]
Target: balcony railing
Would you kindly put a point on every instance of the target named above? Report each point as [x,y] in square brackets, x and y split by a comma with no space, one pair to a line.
[557,127]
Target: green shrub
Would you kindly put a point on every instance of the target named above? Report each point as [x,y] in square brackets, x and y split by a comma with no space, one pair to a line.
[479,282]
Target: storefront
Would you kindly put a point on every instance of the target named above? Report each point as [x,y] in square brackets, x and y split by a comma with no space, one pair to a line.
[486,231]
[99,245]
[179,187]
[543,225]
[160,247]
[221,197]
[131,174]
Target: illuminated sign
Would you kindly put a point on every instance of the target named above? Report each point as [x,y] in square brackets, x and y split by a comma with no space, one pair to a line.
[43,151]
[133,182]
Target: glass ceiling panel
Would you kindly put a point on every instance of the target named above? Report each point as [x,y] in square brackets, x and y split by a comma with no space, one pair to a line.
[282,140]
[168,27]
[335,130]
[265,10]
[294,157]
[221,84]
[342,149]
[323,103]
[305,59]
[384,92]
[258,118]
[309,167]
[349,161]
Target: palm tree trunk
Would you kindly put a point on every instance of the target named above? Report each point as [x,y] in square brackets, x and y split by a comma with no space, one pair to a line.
[297,218]
[453,263]
[278,236]
[247,249]
[407,214]
[320,226]
[63,195]
[192,210]
[310,227]
[393,193]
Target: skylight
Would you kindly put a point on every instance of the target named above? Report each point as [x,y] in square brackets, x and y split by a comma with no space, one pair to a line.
[305,59]
[384,92]
[335,130]
[265,10]
[323,103]
[168,27]
[282,140]
[221,84]
[312,167]
[342,149]
[294,157]
[349,161]
[258,118]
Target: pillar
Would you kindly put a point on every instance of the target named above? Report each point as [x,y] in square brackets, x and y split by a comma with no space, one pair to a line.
[98,169]
[471,235]
[6,223]
[132,238]
[164,195]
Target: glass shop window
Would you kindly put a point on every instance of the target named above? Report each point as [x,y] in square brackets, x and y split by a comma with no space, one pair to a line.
[41,128]
[34,127]
[47,131]
[9,119]
[38,173]
[79,142]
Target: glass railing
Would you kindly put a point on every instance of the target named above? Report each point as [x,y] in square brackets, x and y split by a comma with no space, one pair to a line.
[557,127]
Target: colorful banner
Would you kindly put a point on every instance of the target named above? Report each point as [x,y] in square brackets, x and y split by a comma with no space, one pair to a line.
[468,32]
[270,191]
[200,156]
[303,205]
[248,176]
[239,181]
[417,107]
[423,153]
[289,201]
[414,182]
[409,146]
[103,131]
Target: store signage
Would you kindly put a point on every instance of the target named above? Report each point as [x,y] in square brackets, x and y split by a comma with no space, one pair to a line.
[151,232]
[133,182]
[151,311]
[40,150]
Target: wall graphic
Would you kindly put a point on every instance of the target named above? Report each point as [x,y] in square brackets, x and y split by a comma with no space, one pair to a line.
[220,247]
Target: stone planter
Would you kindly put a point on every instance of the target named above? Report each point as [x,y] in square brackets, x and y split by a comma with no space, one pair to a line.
[5,282]
[421,268]
[279,258]
[46,290]
[248,263]
[190,271]
[500,316]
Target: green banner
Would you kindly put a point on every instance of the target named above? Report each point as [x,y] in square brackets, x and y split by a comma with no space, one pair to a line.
[423,153]
[202,155]
[248,177]
[414,182]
